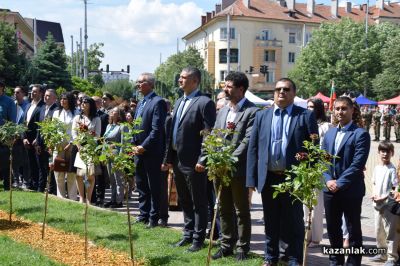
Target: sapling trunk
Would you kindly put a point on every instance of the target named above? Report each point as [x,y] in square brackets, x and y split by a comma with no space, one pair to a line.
[307,232]
[86,211]
[213,225]
[11,190]
[129,219]
[45,202]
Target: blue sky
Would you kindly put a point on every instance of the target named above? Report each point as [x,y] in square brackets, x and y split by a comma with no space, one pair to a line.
[134,32]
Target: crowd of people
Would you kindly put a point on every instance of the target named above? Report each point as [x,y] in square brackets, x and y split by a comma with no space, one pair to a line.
[266,143]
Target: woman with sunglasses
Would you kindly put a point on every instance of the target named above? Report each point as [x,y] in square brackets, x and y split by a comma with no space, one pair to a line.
[66,114]
[317,106]
[89,118]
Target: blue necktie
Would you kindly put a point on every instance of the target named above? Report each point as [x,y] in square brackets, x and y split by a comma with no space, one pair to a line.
[279,133]
[177,119]
[140,110]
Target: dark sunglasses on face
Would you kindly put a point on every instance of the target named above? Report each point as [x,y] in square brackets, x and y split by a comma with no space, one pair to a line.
[85,101]
[285,89]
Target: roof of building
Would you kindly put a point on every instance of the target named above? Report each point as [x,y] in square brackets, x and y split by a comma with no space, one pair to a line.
[270,9]
[44,27]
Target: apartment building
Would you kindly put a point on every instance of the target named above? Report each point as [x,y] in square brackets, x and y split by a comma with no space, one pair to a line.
[268,35]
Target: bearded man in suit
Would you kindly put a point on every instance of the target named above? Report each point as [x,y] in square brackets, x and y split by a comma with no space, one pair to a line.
[193,113]
[277,135]
[238,115]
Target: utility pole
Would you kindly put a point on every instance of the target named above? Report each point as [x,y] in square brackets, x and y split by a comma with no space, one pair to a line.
[177,45]
[228,50]
[77,62]
[80,53]
[72,55]
[160,59]
[85,63]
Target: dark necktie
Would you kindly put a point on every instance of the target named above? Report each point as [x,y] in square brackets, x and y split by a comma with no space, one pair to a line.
[177,119]
[279,132]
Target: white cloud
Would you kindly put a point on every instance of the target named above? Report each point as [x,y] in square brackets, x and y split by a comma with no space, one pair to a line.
[146,21]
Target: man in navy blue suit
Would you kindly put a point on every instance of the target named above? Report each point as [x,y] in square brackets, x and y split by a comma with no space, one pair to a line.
[150,150]
[345,187]
[277,135]
[193,113]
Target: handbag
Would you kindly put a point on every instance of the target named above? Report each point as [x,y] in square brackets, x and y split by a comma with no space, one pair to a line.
[60,165]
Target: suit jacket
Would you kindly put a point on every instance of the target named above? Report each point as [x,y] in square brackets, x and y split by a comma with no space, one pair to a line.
[152,138]
[302,125]
[32,132]
[244,123]
[104,121]
[348,169]
[199,115]
[43,116]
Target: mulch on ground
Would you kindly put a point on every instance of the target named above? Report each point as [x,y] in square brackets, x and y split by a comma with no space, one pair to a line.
[60,246]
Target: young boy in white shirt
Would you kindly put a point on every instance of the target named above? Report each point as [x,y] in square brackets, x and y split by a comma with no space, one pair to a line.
[384,180]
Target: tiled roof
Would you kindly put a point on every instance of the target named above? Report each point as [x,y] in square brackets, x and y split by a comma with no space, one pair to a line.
[273,10]
[44,27]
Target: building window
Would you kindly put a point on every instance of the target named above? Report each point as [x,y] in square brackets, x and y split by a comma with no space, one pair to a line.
[269,55]
[308,37]
[265,35]
[223,58]
[270,76]
[292,57]
[222,75]
[224,34]
[292,37]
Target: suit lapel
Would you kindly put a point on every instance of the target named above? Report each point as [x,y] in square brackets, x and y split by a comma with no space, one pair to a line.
[195,98]
[346,136]
[332,143]
[146,106]
[222,117]
[268,125]
[293,121]
[241,112]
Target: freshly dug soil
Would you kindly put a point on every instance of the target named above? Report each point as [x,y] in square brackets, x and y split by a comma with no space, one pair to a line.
[63,247]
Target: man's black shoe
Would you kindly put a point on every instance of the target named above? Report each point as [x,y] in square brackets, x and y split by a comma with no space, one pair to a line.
[108,204]
[163,223]
[241,256]
[141,221]
[183,242]
[222,253]
[117,205]
[195,247]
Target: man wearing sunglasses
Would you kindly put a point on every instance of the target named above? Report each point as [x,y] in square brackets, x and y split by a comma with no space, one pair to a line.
[278,134]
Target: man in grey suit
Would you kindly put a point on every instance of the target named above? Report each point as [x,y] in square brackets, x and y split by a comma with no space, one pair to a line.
[241,112]
[277,135]
[193,113]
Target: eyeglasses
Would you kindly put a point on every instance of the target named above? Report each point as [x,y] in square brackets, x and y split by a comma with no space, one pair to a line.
[17,92]
[285,89]
[85,101]
[140,81]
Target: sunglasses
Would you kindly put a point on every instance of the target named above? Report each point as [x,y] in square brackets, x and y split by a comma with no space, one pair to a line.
[285,89]
[85,101]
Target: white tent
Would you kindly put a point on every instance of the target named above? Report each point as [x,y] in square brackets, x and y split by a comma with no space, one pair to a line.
[300,102]
[255,99]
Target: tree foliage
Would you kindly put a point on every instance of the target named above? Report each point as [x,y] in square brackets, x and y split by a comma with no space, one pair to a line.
[85,86]
[168,71]
[122,88]
[49,65]
[12,62]
[341,52]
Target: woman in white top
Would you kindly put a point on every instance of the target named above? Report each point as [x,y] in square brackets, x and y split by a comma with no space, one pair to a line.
[66,114]
[89,118]
[317,106]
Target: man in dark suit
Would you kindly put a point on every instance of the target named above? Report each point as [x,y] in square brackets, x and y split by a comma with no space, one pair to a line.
[150,150]
[277,135]
[241,112]
[345,187]
[33,110]
[193,113]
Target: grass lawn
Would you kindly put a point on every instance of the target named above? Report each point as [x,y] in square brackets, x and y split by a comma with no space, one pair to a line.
[13,253]
[110,229]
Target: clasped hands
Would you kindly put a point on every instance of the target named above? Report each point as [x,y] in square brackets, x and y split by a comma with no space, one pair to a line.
[332,186]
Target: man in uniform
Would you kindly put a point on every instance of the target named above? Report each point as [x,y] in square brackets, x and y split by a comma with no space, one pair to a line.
[376,123]
[396,120]
[387,124]
[366,116]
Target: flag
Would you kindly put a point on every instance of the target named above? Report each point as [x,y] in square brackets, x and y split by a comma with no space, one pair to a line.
[332,97]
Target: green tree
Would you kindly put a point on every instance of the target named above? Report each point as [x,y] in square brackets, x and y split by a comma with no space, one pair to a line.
[338,52]
[49,65]
[122,88]
[168,71]
[85,86]
[95,57]
[12,62]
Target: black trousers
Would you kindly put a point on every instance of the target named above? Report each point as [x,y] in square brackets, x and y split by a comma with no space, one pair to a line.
[5,166]
[283,219]
[335,207]
[164,196]
[192,196]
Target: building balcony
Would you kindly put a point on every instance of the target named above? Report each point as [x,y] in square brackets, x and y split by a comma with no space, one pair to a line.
[268,43]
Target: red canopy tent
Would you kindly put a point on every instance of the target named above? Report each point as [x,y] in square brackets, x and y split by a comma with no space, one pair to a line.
[395,100]
[324,98]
